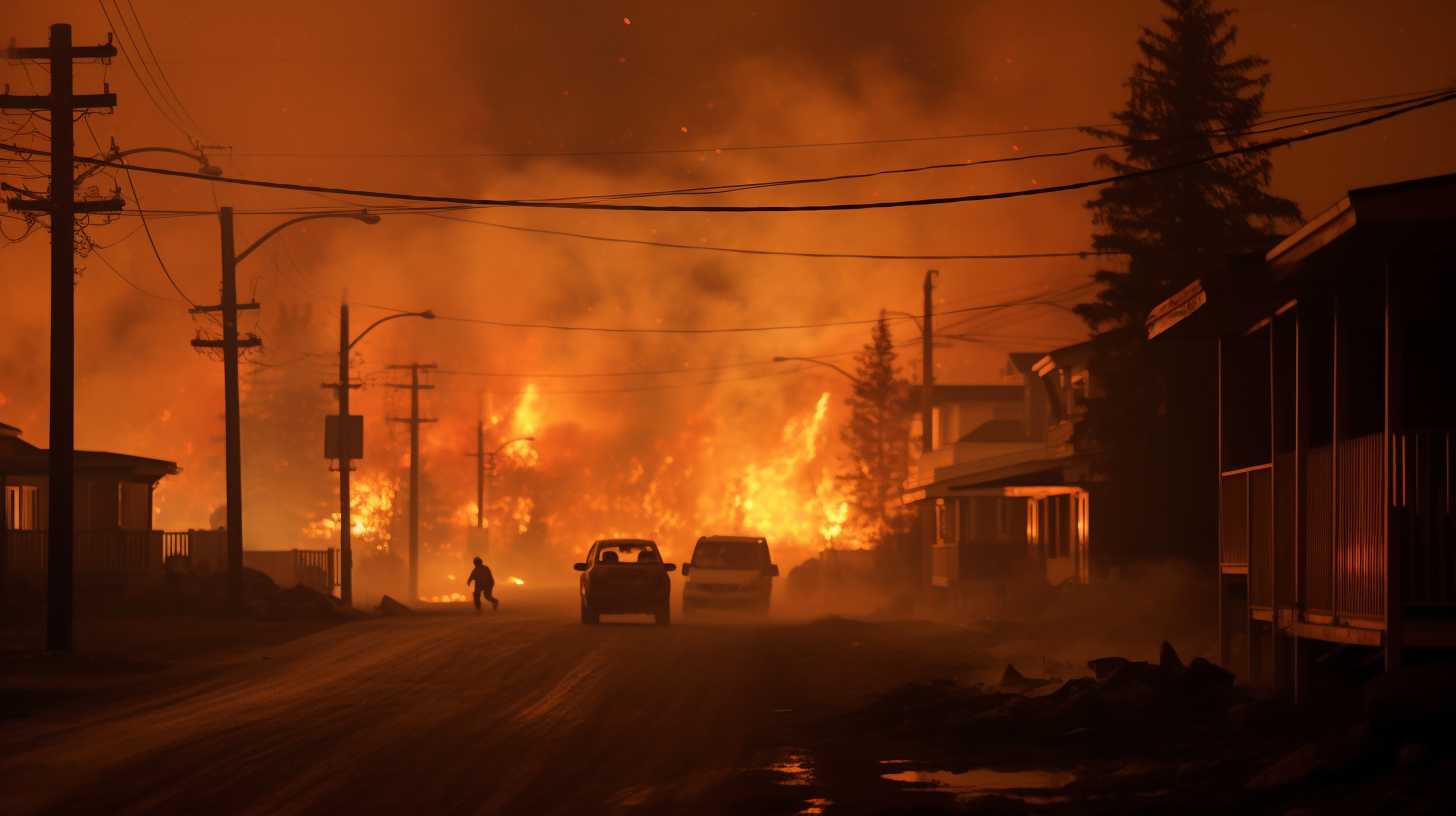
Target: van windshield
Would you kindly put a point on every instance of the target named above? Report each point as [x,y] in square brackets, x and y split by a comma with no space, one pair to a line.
[730,553]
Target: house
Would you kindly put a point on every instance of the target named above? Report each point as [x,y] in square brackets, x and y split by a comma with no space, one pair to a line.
[1000,493]
[113,509]
[1336,437]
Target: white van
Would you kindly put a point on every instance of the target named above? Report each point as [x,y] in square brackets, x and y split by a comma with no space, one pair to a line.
[729,572]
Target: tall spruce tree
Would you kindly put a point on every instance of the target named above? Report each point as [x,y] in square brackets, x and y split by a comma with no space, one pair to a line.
[877,436]
[1189,96]
[1152,417]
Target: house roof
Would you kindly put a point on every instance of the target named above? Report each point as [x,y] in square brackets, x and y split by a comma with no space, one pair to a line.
[20,458]
[1073,355]
[1430,199]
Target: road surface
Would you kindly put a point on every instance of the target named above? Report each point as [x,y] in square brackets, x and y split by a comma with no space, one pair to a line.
[525,711]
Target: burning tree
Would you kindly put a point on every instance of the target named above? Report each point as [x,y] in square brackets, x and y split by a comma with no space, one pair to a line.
[877,437]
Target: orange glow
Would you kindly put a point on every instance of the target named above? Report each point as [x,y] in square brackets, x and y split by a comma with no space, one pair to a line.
[371,511]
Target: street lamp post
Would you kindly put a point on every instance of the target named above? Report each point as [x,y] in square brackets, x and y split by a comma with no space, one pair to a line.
[814,361]
[230,344]
[346,552]
[485,475]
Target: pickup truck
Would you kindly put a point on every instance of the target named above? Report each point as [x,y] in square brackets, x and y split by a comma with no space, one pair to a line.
[625,576]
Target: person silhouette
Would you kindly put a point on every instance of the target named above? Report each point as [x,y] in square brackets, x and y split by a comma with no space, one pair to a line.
[484,585]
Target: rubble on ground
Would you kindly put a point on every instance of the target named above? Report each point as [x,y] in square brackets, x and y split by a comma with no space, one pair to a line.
[1186,726]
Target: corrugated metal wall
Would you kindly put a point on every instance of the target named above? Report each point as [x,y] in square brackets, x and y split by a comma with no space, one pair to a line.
[1360,536]
[1317,586]
[1261,537]
[1286,499]
[1234,510]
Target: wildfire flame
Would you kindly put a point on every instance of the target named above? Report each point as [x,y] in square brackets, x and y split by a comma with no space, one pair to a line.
[517,581]
[771,500]
[526,420]
[371,510]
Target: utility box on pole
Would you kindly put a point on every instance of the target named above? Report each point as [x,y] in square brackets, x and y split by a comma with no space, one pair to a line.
[354,436]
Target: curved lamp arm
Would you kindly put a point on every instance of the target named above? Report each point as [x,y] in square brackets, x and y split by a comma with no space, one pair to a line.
[207,168]
[836,368]
[426,314]
[363,216]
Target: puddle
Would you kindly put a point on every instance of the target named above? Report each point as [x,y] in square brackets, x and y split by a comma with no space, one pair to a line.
[795,769]
[1033,787]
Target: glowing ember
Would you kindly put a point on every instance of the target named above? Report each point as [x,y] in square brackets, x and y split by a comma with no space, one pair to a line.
[517,581]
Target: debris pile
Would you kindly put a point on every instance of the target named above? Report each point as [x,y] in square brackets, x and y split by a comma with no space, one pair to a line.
[1127,701]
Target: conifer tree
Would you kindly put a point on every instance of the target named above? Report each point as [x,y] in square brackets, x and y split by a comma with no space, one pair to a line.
[877,436]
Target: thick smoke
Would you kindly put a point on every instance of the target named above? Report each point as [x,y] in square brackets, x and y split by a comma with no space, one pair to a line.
[276,80]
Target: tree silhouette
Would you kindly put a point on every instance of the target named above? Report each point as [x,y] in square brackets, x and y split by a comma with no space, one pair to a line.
[877,436]
[1188,96]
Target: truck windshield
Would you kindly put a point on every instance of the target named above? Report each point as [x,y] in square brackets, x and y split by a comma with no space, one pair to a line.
[731,553]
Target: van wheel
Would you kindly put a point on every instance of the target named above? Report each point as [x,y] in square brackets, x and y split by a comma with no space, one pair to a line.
[588,615]
[664,615]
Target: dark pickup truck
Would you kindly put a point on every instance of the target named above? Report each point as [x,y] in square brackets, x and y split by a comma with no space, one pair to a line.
[625,576]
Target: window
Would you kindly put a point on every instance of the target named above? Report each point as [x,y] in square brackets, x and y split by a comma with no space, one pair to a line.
[22,507]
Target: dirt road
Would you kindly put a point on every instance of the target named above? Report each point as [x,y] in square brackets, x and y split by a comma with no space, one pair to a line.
[526,711]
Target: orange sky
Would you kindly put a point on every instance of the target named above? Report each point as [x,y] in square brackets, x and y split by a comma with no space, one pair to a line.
[367,77]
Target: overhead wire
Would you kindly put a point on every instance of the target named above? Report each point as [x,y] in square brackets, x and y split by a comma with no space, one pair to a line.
[146,87]
[519,154]
[166,83]
[1026,192]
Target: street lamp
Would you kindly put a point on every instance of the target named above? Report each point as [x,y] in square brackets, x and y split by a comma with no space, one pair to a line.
[485,467]
[814,361]
[116,154]
[346,552]
[230,343]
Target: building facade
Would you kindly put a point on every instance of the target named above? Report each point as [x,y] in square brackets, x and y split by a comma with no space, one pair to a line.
[1335,436]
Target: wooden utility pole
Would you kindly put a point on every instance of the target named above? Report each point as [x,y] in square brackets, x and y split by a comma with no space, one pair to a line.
[230,344]
[480,474]
[346,551]
[62,105]
[927,376]
[414,421]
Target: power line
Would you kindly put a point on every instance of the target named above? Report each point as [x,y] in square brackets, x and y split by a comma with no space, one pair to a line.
[1303,120]
[128,281]
[1256,147]
[782,253]
[508,324]
[519,154]
[126,54]
[166,82]
[152,241]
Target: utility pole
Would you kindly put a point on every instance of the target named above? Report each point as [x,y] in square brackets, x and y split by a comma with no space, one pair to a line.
[485,475]
[480,474]
[927,376]
[346,552]
[230,344]
[414,421]
[346,438]
[62,104]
